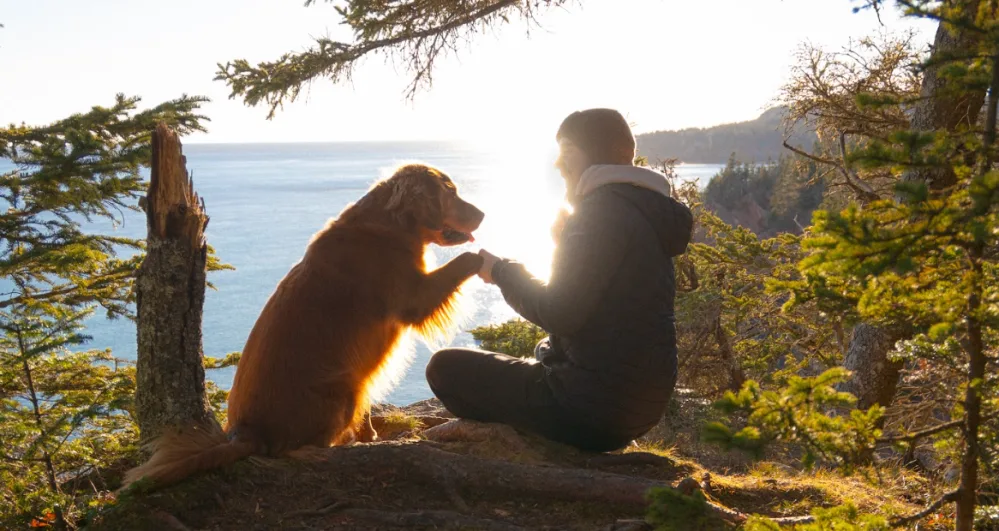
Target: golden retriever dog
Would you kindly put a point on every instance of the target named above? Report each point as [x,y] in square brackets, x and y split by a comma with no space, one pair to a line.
[328,335]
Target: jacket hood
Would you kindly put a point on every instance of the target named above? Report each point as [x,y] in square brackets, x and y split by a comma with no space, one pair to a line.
[649,192]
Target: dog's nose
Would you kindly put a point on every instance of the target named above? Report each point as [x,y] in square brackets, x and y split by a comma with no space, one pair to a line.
[476,214]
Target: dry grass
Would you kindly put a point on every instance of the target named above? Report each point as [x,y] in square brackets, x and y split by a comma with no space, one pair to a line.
[781,489]
[403,421]
[394,424]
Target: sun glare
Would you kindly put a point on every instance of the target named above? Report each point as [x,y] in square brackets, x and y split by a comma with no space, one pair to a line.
[520,197]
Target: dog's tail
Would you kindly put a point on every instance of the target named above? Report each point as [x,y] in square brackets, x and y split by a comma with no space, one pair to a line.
[179,454]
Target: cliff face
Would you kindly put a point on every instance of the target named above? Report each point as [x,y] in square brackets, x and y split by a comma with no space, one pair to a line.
[746,213]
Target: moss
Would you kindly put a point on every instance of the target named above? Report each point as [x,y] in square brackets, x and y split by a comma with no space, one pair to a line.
[670,510]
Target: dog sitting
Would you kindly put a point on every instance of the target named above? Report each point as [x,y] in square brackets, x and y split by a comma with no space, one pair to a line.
[328,334]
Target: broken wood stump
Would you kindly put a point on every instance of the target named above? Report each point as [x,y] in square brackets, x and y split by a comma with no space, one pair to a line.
[170,296]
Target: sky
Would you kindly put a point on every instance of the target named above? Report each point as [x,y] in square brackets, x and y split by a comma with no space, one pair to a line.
[665,64]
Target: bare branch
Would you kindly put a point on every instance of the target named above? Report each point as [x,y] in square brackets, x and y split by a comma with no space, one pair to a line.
[914,436]
[930,509]
[860,186]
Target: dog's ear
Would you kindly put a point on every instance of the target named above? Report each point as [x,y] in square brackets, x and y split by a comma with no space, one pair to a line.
[417,198]
[395,200]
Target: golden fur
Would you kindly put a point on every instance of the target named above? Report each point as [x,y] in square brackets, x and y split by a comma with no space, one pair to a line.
[332,332]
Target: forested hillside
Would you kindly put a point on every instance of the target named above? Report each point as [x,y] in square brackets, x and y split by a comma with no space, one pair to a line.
[757,140]
[768,198]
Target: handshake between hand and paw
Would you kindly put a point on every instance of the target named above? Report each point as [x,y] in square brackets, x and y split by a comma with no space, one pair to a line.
[488,261]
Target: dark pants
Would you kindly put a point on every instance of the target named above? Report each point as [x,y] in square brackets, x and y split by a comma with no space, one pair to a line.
[490,387]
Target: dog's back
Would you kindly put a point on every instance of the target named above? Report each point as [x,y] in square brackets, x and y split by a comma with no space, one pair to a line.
[319,339]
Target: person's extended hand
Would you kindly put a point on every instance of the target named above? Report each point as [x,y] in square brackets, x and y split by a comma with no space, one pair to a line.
[560,219]
[488,261]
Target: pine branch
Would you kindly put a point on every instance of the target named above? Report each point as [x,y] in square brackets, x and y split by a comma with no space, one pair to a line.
[65,290]
[918,9]
[417,31]
[12,459]
[79,418]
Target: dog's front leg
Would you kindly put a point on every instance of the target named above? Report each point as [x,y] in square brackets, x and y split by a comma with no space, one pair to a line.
[365,431]
[362,432]
[435,289]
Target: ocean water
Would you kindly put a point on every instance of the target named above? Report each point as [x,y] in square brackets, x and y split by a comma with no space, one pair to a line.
[266,200]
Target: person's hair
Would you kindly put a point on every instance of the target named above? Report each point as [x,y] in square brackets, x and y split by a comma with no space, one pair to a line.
[602,134]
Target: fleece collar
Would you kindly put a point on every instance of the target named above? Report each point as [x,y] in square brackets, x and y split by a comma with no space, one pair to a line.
[602,174]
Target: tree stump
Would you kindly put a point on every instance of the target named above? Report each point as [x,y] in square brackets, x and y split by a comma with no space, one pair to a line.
[170,295]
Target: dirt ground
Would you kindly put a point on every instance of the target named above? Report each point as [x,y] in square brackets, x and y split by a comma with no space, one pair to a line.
[489,477]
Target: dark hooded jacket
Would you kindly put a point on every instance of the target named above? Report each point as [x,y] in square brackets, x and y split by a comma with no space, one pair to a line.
[609,305]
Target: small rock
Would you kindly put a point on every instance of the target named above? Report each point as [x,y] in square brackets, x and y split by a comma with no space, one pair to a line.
[706,482]
[688,486]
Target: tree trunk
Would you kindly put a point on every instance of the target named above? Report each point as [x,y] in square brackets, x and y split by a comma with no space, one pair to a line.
[875,377]
[967,493]
[736,376]
[170,294]
[939,108]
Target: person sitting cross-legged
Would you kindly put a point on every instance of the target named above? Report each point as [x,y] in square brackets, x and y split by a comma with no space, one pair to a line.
[605,374]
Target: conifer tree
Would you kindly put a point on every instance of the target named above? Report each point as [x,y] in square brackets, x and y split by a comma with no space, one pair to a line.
[926,257]
[64,413]
[929,258]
